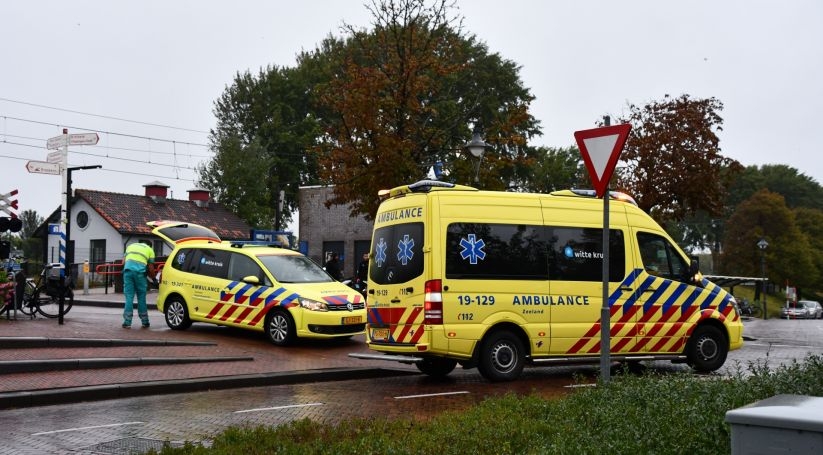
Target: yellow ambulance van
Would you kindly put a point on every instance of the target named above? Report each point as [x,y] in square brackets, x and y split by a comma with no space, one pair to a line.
[498,280]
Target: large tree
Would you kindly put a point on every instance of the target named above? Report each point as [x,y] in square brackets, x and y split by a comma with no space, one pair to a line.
[797,188]
[788,258]
[264,126]
[408,94]
[671,162]
[553,169]
[810,223]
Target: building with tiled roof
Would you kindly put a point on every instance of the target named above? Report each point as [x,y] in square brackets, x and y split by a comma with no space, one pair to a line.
[103,222]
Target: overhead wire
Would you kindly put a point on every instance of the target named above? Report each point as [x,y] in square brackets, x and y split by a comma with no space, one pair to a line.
[134,136]
[102,116]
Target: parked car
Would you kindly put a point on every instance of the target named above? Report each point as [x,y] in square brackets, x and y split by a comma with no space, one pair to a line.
[252,285]
[803,309]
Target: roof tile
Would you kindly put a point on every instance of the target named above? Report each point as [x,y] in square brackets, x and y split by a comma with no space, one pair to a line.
[129,213]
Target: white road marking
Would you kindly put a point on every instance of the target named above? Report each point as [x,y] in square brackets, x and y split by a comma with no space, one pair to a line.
[87,428]
[274,408]
[777,345]
[431,395]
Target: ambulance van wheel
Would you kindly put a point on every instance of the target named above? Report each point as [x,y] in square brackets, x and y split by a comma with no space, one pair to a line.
[437,367]
[280,328]
[177,314]
[501,357]
[707,349]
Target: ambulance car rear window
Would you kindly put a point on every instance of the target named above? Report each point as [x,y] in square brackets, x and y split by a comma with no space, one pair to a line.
[397,255]
[496,251]
[213,263]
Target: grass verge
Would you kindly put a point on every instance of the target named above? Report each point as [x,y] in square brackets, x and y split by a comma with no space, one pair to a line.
[664,414]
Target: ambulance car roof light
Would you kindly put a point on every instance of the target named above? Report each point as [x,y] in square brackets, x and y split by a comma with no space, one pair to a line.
[617,195]
[424,186]
[587,193]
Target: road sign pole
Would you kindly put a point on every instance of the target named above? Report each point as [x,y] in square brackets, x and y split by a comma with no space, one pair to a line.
[64,174]
[601,149]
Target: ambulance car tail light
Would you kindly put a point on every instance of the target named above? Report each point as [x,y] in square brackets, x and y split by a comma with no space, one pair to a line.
[433,303]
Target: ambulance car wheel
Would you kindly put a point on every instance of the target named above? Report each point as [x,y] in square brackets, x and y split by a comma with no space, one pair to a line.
[707,349]
[177,314]
[280,328]
[437,367]
[501,357]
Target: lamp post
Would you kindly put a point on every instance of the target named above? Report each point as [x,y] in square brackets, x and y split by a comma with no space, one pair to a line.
[477,147]
[763,244]
[69,245]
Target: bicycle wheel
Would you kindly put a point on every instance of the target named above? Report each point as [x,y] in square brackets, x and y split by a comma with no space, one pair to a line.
[757,312]
[50,306]
[29,304]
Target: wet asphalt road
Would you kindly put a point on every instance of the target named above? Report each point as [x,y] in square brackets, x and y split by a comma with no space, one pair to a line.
[134,425]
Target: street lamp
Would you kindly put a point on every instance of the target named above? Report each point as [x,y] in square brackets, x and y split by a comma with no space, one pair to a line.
[763,244]
[477,147]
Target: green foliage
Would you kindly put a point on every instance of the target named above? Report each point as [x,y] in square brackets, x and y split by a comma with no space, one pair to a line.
[407,94]
[788,255]
[798,189]
[674,413]
[810,223]
[554,169]
[264,127]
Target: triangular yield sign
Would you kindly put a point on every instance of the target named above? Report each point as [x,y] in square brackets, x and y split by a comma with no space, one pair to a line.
[601,148]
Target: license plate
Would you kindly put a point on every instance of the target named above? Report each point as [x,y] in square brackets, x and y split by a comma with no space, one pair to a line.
[380,334]
[352,319]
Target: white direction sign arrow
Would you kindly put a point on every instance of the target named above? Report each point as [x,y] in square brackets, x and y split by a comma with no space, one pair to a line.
[57,141]
[83,139]
[43,167]
[55,157]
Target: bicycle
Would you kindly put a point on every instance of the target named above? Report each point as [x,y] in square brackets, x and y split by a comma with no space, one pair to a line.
[43,296]
[747,309]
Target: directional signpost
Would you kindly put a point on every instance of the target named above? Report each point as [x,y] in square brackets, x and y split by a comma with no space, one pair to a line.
[57,164]
[83,139]
[601,149]
[43,167]
[64,139]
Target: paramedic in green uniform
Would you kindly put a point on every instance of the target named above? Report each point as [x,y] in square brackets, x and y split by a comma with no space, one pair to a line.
[137,262]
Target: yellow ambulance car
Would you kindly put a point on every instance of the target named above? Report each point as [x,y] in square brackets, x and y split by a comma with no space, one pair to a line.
[498,280]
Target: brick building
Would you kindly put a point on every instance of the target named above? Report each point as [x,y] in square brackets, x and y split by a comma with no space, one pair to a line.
[325,230]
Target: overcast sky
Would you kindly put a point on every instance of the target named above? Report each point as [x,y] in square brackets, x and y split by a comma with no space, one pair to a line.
[144,74]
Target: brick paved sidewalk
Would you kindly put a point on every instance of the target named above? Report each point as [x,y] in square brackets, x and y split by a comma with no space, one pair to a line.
[250,358]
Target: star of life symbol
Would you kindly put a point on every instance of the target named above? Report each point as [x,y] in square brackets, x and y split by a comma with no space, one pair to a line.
[472,249]
[380,252]
[405,253]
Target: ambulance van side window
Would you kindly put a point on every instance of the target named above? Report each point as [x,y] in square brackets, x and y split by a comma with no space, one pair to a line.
[213,263]
[397,253]
[660,258]
[496,251]
[576,254]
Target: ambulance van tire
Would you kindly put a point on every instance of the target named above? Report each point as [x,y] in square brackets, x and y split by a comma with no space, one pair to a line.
[177,313]
[280,328]
[502,356]
[707,349]
[437,367]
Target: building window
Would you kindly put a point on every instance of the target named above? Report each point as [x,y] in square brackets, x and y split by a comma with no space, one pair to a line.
[98,251]
[82,219]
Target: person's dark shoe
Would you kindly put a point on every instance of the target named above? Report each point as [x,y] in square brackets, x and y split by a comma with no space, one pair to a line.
[126,326]
[146,326]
